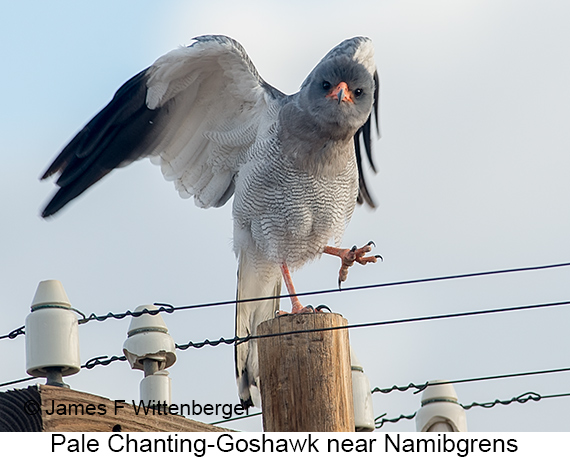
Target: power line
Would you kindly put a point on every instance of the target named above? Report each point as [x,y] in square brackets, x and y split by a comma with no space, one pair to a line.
[105,360]
[381,420]
[235,418]
[168,308]
[102,360]
[17,381]
[171,308]
[239,340]
[523,398]
[422,387]
[14,333]
[520,399]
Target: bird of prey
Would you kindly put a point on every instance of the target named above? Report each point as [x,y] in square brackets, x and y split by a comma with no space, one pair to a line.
[293,163]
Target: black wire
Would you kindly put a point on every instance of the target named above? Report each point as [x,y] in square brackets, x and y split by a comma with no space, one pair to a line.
[14,333]
[422,387]
[168,308]
[102,360]
[239,340]
[523,398]
[162,308]
[381,420]
[17,381]
[235,418]
[172,308]
[95,361]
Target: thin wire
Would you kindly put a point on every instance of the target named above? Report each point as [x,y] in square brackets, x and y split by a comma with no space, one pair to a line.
[172,308]
[168,308]
[235,418]
[14,333]
[162,308]
[422,387]
[523,398]
[239,340]
[102,360]
[17,381]
[381,420]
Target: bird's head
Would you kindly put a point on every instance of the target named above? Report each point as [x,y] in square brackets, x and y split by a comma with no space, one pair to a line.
[339,92]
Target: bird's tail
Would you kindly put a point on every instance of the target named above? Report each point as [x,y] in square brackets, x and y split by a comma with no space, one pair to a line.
[253,283]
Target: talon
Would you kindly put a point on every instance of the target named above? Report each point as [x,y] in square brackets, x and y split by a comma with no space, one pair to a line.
[349,256]
[320,308]
[378,256]
[297,310]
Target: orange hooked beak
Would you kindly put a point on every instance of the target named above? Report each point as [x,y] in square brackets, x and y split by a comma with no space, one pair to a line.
[342,93]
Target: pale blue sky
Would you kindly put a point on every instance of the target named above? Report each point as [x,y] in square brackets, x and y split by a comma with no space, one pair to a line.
[473,175]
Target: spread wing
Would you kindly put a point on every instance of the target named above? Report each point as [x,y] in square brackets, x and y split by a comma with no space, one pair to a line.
[192,112]
[362,140]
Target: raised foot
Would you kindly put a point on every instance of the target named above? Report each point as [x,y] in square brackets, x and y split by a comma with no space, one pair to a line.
[349,256]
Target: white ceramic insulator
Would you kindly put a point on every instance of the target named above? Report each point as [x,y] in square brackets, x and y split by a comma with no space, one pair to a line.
[440,410]
[362,397]
[52,336]
[148,338]
[156,387]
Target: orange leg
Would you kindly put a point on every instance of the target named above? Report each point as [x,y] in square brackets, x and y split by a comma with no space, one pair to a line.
[349,256]
[296,306]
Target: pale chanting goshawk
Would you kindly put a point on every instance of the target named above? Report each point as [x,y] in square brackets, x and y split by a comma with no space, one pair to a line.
[293,163]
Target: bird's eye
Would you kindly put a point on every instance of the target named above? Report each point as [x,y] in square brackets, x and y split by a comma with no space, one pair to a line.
[326,85]
[358,92]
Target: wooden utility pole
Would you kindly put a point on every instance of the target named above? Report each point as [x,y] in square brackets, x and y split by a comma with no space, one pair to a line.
[306,382]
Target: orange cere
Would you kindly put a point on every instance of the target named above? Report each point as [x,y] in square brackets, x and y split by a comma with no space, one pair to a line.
[342,93]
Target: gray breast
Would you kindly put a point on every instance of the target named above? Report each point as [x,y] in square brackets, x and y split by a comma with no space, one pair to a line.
[292,213]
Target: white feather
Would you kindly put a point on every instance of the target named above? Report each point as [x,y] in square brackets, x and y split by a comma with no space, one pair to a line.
[215,101]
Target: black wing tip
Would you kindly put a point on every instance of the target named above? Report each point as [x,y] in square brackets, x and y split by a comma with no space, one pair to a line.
[45,214]
[47,174]
[363,193]
[109,140]
[56,166]
[53,206]
[246,403]
[365,197]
